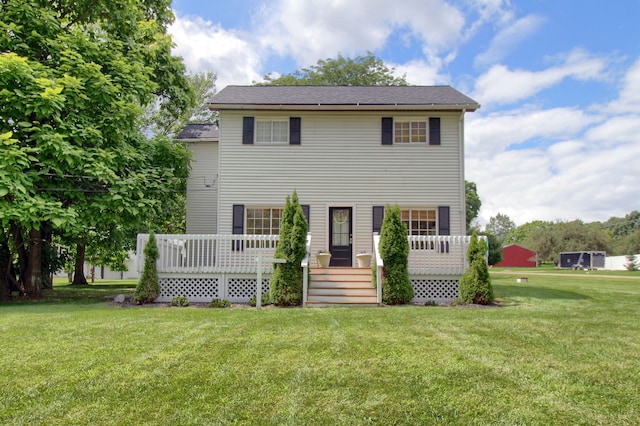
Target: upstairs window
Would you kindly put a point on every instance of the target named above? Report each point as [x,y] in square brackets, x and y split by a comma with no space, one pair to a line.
[272,131]
[407,131]
[410,131]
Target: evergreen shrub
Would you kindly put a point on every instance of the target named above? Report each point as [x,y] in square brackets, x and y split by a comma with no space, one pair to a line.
[286,280]
[394,250]
[148,287]
[475,284]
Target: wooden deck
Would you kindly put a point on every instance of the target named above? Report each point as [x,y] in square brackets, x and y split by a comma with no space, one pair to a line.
[341,287]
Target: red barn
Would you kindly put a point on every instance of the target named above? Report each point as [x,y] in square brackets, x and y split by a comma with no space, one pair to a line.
[514,255]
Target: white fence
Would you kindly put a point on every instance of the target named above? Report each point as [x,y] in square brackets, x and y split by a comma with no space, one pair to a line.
[198,254]
[205,267]
[438,255]
[619,263]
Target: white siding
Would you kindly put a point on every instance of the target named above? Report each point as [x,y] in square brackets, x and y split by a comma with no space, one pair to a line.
[202,189]
[341,162]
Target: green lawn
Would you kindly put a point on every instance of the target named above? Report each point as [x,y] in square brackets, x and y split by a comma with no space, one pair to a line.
[562,350]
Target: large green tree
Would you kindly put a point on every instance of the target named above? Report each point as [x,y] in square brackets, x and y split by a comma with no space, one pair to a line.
[74,78]
[560,236]
[162,117]
[500,225]
[367,70]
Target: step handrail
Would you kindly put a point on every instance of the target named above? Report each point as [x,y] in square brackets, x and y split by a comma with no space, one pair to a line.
[305,272]
[379,264]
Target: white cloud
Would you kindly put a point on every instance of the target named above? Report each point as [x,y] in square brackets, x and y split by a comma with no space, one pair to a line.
[317,29]
[570,180]
[629,98]
[208,47]
[489,135]
[419,73]
[508,38]
[500,85]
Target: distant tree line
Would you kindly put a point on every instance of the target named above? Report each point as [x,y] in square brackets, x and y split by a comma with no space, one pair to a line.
[617,236]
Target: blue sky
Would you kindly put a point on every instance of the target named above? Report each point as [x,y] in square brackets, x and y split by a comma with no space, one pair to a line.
[558,134]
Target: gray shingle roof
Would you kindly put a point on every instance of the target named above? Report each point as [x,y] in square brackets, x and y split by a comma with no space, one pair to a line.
[199,131]
[419,96]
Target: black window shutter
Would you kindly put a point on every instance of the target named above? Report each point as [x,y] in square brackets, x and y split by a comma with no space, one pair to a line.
[443,221]
[306,211]
[238,224]
[247,130]
[434,131]
[294,130]
[387,130]
[378,217]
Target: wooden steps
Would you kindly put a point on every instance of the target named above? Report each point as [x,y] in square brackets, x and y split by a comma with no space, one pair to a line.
[341,287]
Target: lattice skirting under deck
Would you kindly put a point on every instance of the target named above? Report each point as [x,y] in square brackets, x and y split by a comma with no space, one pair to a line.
[236,288]
[437,289]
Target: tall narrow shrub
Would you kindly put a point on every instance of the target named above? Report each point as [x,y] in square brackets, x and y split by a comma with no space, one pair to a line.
[286,280]
[475,284]
[394,250]
[148,287]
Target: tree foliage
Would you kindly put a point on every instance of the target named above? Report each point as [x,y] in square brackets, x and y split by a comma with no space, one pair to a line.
[286,280]
[394,250]
[472,203]
[549,241]
[161,118]
[475,284]
[500,225]
[495,249]
[365,70]
[74,78]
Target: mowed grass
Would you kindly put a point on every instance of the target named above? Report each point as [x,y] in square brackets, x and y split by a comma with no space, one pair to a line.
[560,350]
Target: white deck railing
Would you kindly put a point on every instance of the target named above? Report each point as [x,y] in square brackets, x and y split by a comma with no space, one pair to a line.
[193,254]
[438,255]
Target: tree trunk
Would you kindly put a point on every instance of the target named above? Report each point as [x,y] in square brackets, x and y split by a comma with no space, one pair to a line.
[21,251]
[33,274]
[78,277]
[47,235]
[5,262]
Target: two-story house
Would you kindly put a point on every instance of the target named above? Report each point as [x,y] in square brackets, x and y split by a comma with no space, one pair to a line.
[348,151]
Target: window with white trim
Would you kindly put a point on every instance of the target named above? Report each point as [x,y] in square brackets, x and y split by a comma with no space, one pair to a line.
[420,221]
[272,131]
[410,131]
[263,221]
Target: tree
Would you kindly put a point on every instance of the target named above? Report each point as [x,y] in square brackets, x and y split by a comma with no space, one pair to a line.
[394,250]
[521,233]
[161,117]
[495,249]
[148,287]
[286,281]
[475,284]
[500,225]
[550,240]
[74,77]
[473,202]
[365,70]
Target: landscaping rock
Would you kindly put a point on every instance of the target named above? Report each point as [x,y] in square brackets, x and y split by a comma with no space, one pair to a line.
[120,298]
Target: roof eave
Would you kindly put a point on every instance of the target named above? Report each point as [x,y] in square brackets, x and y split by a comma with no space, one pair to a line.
[344,107]
[205,139]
